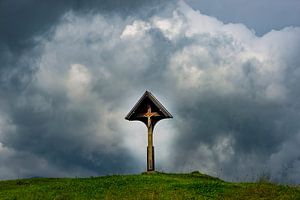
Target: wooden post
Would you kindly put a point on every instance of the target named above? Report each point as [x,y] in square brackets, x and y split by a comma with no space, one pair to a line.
[150,150]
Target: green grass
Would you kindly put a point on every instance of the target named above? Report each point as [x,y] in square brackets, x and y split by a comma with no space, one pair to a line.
[144,186]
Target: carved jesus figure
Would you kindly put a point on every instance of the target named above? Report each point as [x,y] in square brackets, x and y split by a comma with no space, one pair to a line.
[149,114]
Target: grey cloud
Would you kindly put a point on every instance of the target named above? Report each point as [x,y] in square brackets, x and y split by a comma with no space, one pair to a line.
[21,22]
[52,129]
[254,127]
[262,16]
[43,119]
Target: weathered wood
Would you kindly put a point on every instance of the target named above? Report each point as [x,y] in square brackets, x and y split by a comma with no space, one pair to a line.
[150,148]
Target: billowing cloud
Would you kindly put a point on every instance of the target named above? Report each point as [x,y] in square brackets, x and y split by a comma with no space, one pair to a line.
[262,16]
[234,97]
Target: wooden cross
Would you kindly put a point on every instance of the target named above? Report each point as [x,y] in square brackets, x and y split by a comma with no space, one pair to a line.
[149,102]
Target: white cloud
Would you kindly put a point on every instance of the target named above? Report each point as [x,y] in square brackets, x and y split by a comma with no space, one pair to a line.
[137,29]
[78,81]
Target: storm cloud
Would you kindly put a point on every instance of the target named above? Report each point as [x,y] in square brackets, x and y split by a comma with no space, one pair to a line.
[234,95]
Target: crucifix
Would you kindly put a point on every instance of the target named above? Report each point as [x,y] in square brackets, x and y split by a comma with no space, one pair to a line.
[149,111]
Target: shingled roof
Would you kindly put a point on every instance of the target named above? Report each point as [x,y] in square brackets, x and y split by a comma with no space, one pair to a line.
[148,98]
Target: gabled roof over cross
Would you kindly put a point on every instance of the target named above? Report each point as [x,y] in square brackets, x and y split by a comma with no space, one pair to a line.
[144,108]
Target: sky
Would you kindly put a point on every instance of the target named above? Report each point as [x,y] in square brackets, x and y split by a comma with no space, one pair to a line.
[229,73]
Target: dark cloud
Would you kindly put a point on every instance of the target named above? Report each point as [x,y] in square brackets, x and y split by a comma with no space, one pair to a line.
[50,128]
[244,126]
[234,96]
[19,21]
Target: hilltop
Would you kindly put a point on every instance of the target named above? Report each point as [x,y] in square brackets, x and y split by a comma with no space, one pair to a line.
[144,186]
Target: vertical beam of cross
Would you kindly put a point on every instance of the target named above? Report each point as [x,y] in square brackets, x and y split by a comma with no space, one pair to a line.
[150,148]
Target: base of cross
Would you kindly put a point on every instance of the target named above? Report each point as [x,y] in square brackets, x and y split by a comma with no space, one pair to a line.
[150,172]
[150,159]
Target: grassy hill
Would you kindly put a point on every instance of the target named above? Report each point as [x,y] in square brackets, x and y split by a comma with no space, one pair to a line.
[144,186]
